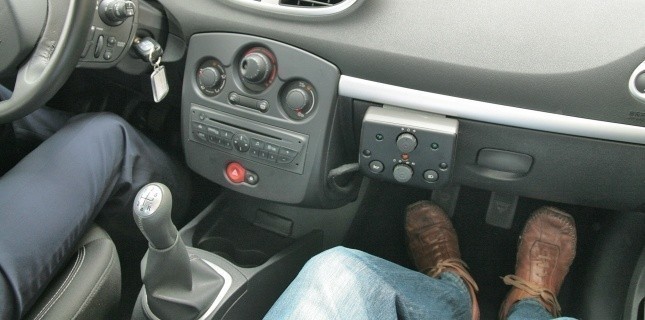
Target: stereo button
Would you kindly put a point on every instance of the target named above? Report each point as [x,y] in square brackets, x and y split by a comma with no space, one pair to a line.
[255,143]
[284,159]
[241,142]
[272,148]
[226,134]
[287,152]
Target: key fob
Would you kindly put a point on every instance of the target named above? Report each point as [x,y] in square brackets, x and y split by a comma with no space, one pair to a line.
[149,49]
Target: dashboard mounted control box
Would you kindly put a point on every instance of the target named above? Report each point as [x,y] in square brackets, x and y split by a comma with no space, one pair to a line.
[405,146]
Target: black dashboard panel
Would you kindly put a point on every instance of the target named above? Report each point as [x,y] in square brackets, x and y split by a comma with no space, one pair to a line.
[556,71]
[257,116]
[560,57]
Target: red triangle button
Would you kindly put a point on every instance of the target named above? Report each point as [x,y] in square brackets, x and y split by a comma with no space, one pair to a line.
[235,172]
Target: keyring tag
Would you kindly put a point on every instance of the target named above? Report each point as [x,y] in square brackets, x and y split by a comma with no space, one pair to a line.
[159,82]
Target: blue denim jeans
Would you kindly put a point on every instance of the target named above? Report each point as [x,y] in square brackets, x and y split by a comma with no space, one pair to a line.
[343,283]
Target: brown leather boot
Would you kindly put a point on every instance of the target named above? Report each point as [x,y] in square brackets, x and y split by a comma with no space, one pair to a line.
[545,252]
[434,246]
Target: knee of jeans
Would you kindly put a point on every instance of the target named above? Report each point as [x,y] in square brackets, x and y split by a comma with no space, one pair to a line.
[324,262]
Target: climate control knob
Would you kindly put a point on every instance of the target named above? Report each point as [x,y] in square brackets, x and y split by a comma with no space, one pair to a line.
[256,67]
[406,142]
[402,173]
[298,99]
[209,77]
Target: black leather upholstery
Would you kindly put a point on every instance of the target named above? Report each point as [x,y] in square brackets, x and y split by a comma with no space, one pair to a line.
[89,287]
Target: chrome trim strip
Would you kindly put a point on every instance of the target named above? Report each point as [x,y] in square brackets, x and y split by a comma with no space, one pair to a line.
[273,6]
[487,112]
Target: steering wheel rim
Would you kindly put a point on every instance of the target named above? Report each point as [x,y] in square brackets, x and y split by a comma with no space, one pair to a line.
[52,61]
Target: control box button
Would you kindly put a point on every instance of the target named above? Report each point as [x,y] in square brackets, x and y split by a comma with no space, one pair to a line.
[402,173]
[376,166]
[430,175]
[235,172]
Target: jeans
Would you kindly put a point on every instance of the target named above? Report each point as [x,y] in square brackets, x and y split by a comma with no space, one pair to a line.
[343,283]
[95,164]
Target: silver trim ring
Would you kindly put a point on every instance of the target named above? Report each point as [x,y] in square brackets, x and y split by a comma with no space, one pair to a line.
[640,96]
[488,112]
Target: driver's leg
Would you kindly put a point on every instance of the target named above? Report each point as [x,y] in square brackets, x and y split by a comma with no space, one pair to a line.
[38,125]
[21,136]
[48,200]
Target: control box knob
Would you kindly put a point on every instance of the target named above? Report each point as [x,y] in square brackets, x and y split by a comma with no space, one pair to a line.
[406,142]
[255,67]
[402,173]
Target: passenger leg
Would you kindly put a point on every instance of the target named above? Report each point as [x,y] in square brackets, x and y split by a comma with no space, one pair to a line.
[343,283]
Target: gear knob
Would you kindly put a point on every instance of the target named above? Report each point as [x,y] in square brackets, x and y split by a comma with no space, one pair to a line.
[151,210]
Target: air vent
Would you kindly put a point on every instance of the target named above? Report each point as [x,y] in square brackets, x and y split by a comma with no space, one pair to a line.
[299,9]
[310,3]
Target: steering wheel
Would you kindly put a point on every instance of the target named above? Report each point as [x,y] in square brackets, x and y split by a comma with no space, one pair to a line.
[40,41]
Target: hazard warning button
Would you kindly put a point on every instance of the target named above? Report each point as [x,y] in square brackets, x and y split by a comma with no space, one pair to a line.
[235,172]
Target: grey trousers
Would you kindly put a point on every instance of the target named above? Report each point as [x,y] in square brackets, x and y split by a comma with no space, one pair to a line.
[94,164]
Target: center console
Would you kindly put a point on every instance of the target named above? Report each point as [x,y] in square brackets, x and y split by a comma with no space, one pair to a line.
[257,118]
[261,119]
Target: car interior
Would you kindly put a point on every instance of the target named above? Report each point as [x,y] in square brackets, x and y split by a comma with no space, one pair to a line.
[310,124]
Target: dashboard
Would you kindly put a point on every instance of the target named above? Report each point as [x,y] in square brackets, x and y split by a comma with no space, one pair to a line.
[541,100]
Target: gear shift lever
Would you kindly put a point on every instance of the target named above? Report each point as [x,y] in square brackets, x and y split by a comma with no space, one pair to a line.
[152,208]
[176,286]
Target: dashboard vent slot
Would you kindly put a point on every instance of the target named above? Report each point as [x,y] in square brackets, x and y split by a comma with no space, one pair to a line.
[298,9]
[310,3]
